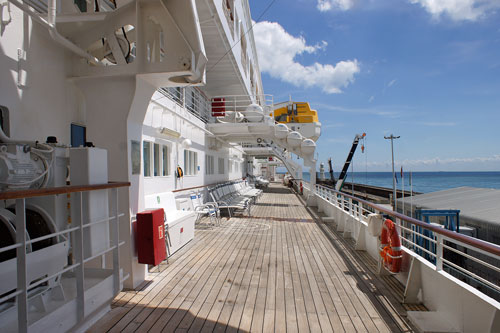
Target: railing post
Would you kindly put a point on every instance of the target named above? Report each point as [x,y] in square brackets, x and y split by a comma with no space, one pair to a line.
[78,252]
[439,252]
[115,234]
[22,283]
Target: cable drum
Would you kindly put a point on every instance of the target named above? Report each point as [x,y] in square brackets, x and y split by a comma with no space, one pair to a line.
[7,234]
[23,166]
[38,224]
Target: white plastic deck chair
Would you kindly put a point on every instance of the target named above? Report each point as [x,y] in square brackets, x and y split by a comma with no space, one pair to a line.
[202,209]
[215,210]
[219,204]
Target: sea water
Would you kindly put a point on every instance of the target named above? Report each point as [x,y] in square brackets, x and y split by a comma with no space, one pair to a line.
[423,181]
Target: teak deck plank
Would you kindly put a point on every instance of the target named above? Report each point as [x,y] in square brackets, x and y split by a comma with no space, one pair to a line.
[278,270]
[169,305]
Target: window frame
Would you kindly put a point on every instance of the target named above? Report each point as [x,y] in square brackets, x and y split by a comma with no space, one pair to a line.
[156,159]
[147,174]
[209,165]
[221,163]
[153,163]
[163,149]
[190,162]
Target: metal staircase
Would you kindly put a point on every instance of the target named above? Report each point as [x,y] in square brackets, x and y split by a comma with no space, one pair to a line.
[293,167]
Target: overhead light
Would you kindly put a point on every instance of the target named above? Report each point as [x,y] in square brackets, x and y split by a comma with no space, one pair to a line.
[169,132]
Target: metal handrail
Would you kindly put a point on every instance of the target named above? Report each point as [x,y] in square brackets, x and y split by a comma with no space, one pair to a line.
[207,185]
[41,192]
[477,243]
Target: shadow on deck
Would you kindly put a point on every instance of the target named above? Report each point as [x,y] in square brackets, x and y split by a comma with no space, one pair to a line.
[277,270]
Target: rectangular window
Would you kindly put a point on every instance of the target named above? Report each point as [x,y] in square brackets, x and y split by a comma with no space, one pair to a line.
[209,165]
[166,161]
[220,164]
[156,159]
[146,157]
[229,166]
[195,163]
[190,162]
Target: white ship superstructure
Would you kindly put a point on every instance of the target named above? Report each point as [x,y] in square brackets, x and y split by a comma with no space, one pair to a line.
[137,79]
[109,108]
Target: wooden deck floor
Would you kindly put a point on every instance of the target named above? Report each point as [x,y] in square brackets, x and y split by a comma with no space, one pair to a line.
[278,270]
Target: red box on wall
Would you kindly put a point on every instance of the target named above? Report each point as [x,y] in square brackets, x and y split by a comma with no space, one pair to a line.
[151,248]
[218,107]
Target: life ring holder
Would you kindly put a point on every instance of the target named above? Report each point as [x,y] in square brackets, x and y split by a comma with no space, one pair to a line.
[390,247]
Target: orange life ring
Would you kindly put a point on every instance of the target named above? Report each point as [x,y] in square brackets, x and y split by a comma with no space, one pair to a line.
[390,247]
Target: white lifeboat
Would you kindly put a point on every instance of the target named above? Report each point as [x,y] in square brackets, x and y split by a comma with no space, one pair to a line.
[307,147]
[231,117]
[294,139]
[281,131]
[254,113]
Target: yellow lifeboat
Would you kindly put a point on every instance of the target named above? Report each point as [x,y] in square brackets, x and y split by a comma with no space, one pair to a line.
[299,116]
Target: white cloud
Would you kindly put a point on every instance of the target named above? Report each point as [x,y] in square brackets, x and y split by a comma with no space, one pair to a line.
[326,5]
[382,111]
[390,84]
[278,49]
[371,99]
[458,10]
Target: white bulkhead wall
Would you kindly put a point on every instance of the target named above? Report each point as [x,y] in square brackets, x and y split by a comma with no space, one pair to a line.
[165,113]
[45,102]
[49,98]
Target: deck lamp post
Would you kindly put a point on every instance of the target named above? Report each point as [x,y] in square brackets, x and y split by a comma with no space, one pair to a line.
[392,137]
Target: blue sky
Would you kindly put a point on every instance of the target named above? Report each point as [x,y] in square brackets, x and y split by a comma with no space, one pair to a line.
[427,70]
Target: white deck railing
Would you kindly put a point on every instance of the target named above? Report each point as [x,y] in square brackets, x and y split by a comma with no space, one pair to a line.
[431,242]
[456,276]
[22,268]
[239,103]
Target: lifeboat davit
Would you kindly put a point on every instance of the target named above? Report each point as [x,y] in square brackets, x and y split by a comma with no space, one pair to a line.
[281,131]
[294,139]
[307,147]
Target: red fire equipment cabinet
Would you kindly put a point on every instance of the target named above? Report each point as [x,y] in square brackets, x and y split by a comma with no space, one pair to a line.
[151,237]
[218,107]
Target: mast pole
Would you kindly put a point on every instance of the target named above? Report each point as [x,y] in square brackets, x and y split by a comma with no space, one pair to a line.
[392,137]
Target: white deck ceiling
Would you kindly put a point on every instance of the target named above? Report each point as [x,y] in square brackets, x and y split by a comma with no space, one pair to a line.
[223,75]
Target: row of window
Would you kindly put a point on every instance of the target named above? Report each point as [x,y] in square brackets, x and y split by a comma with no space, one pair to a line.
[210,165]
[190,163]
[156,159]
